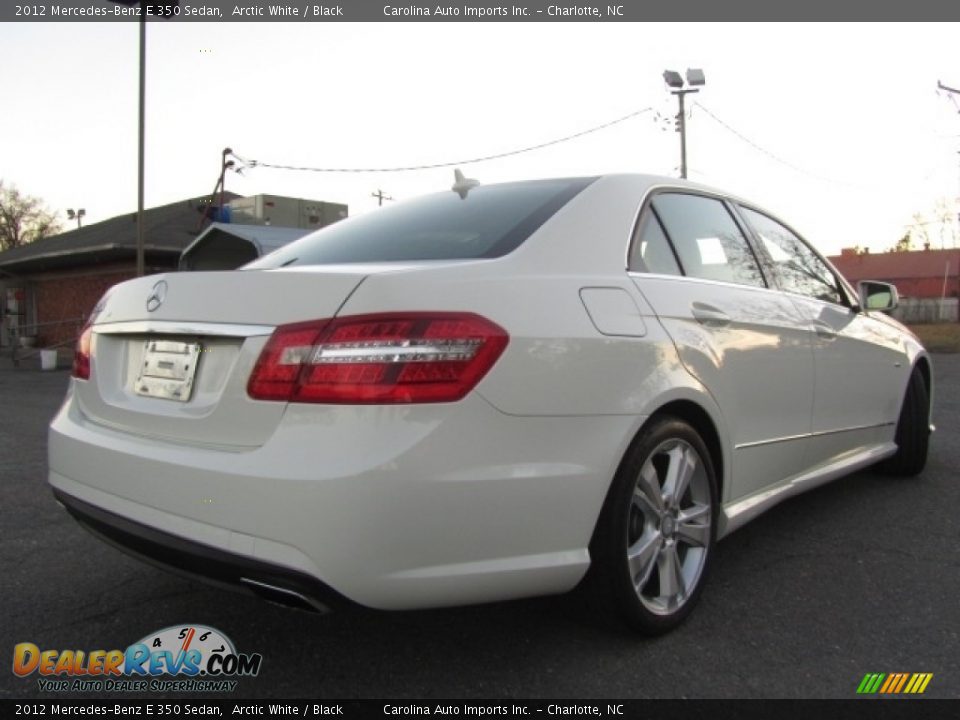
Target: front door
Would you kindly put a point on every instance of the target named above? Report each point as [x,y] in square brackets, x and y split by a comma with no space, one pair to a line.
[857,358]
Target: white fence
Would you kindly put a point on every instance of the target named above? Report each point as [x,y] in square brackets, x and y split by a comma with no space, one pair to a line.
[918,311]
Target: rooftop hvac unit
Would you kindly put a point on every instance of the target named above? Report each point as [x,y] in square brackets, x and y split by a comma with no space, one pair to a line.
[285,212]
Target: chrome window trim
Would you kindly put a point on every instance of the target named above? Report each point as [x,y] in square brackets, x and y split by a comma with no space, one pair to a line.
[688,278]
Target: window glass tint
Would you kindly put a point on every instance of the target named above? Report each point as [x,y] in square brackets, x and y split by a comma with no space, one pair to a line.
[651,250]
[707,240]
[798,268]
[489,222]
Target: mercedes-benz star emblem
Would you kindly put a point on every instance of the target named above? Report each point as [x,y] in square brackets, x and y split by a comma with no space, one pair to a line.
[157,295]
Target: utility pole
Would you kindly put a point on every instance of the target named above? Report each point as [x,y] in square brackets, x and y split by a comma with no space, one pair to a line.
[154,9]
[953,92]
[141,265]
[695,80]
[380,197]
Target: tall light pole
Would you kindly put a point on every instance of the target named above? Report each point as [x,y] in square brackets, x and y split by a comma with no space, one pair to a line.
[695,80]
[78,215]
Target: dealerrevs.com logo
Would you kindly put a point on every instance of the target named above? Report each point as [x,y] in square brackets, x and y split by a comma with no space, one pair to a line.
[199,658]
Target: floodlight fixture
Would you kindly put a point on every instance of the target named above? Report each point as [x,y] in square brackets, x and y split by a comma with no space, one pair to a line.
[695,77]
[76,215]
[672,78]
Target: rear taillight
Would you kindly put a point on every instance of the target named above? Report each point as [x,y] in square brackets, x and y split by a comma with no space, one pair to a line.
[81,355]
[84,348]
[389,358]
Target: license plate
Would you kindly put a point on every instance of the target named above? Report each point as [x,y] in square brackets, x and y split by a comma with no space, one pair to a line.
[167,369]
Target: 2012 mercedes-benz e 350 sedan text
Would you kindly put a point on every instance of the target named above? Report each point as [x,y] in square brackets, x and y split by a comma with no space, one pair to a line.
[487,393]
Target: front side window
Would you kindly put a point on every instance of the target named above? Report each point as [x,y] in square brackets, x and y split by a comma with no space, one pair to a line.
[707,240]
[798,268]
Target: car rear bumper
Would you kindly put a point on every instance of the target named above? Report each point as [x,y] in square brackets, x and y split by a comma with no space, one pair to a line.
[185,557]
[390,507]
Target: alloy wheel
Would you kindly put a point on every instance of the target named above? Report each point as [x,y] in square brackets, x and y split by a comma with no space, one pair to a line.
[668,526]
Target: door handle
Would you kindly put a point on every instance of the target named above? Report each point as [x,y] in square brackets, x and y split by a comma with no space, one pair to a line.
[824,330]
[709,315]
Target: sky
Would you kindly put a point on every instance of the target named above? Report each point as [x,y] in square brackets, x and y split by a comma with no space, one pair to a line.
[837,128]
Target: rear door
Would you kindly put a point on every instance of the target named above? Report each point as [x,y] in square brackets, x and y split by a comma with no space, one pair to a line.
[744,341]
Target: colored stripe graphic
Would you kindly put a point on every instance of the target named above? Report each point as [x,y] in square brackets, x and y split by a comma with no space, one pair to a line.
[894,683]
[892,680]
[870,683]
[900,684]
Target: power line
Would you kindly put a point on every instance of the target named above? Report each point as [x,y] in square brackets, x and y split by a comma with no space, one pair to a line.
[801,170]
[453,163]
[795,168]
[763,150]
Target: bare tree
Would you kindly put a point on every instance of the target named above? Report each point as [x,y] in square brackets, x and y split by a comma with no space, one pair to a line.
[946,217]
[23,218]
[920,228]
[904,244]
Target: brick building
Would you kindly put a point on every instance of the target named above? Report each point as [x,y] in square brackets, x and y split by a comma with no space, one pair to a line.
[49,287]
[917,274]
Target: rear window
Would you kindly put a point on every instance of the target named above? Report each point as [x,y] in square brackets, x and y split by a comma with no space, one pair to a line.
[490,221]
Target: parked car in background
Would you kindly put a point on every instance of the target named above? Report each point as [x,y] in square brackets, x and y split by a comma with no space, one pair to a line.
[486,394]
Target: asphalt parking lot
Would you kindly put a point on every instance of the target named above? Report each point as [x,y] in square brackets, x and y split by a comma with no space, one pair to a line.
[862,575]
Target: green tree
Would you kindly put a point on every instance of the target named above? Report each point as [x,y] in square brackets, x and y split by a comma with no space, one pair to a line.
[23,218]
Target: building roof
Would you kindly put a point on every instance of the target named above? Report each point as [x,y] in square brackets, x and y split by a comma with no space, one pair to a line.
[168,230]
[227,246]
[892,266]
[265,238]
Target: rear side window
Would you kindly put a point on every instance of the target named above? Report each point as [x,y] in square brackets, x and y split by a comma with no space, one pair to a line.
[651,250]
[707,239]
[490,221]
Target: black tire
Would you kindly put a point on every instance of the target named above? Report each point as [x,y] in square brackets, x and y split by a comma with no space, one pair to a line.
[629,522]
[913,431]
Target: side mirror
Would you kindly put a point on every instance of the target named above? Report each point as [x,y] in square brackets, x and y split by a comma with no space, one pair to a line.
[876,295]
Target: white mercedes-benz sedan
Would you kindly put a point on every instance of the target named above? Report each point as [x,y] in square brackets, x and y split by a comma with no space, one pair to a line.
[487,393]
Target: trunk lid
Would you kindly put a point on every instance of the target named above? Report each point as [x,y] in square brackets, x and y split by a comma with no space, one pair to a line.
[172,353]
